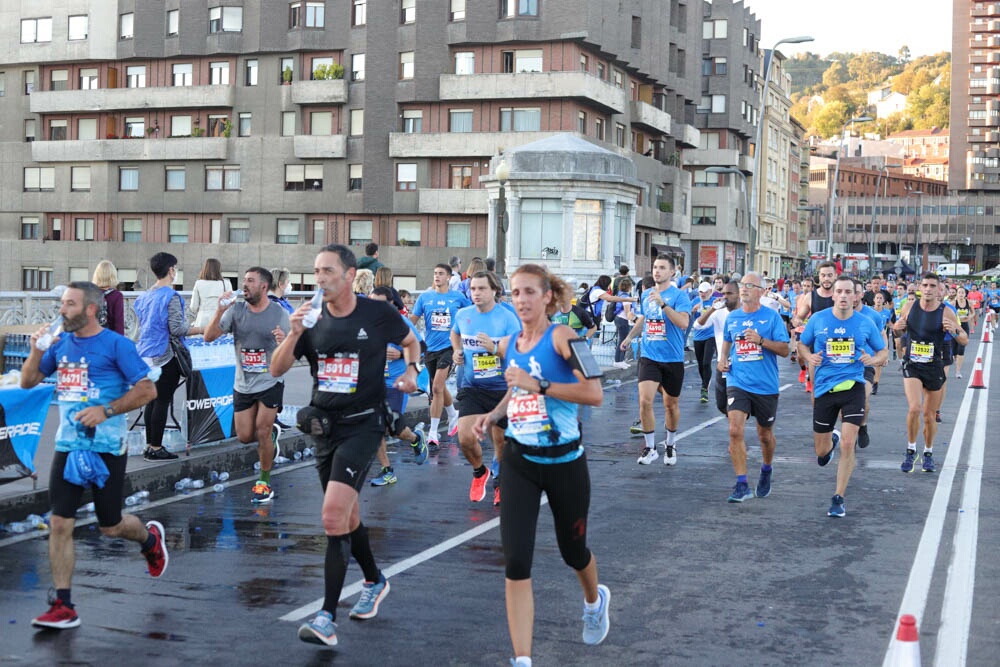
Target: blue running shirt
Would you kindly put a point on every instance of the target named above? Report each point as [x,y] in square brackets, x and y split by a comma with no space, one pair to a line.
[841,343]
[753,368]
[661,340]
[438,311]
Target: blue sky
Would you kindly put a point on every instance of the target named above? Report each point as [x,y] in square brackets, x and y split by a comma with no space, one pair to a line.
[856,25]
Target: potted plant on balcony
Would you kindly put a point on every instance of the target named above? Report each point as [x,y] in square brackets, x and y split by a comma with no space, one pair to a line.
[227,129]
[286,76]
[150,131]
[666,207]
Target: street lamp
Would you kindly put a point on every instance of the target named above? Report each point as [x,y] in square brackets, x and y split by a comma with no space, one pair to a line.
[751,217]
[502,221]
[761,120]
[836,179]
[884,169]
[910,191]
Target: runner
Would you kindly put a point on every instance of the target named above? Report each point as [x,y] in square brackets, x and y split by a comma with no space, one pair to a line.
[870,371]
[925,322]
[346,353]
[753,338]
[437,307]
[258,326]
[543,453]
[813,302]
[947,350]
[704,338]
[886,314]
[836,344]
[475,342]
[100,377]
[715,319]
[662,317]
[967,318]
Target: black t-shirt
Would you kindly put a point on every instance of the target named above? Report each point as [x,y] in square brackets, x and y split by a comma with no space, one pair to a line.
[347,355]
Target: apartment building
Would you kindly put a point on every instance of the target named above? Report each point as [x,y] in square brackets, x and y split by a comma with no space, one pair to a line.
[256,131]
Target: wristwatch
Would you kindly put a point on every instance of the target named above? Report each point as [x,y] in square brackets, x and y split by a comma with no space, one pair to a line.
[543,386]
[109,411]
[417,365]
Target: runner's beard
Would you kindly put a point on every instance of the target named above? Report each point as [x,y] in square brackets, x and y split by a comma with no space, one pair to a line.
[71,324]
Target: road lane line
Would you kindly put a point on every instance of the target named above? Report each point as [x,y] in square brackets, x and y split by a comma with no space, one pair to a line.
[956,609]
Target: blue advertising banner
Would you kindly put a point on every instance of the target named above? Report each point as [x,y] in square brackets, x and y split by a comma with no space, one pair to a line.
[210,404]
[22,417]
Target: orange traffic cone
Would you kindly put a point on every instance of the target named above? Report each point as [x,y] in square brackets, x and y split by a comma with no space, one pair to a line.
[906,645]
[987,334]
[977,375]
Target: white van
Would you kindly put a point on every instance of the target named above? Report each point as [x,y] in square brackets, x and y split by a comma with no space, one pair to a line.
[953,270]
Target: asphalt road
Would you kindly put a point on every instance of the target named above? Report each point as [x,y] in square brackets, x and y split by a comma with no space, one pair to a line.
[694,580]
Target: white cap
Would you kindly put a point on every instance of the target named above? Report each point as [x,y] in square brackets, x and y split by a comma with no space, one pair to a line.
[705,287]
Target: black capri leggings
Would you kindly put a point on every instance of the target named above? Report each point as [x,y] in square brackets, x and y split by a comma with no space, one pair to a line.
[155,414]
[65,497]
[567,486]
[704,350]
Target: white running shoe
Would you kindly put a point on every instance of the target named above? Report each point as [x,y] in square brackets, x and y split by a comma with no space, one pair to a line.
[669,454]
[453,425]
[648,455]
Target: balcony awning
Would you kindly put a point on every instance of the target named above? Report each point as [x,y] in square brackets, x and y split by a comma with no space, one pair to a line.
[661,249]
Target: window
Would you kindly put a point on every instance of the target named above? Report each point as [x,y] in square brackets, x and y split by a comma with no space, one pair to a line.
[88,78]
[180,126]
[317,63]
[177,230]
[36,279]
[407,11]
[636,32]
[408,232]
[132,230]
[521,120]
[126,26]
[703,215]
[39,179]
[406,65]
[225,19]
[457,10]
[587,215]
[173,22]
[222,178]
[541,226]
[287,65]
[460,120]
[461,177]
[219,73]
[622,214]
[358,67]
[29,81]
[458,234]
[528,60]
[84,229]
[301,177]
[29,229]
[36,30]
[355,173]
[287,123]
[321,123]
[717,29]
[128,179]
[183,74]
[465,62]
[57,130]
[308,14]
[318,231]
[29,129]
[3,84]
[719,66]
[239,231]
[360,232]
[357,122]
[584,62]
[599,128]
[406,176]
[413,121]
[705,179]
[359,14]
[86,129]
[620,135]
[78,26]
[59,79]
[245,124]
[176,178]
[250,72]
[619,79]
[288,231]
[512,8]
[135,127]
[217,125]
[581,122]
[135,76]
[56,228]
[718,103]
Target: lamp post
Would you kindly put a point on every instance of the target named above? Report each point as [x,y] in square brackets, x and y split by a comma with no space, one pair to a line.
[759,138]
[502,221]
[751,218]
[836,179]
[871,245]
[910,191]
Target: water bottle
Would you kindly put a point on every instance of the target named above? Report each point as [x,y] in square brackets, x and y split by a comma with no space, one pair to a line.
[307,453]
[132,500]
[182,484]
[219,488]
[223,476]
[44,341]
[225,301]
[316,305]
[198,484]
[142,495]
[297,456]
[256,465]
[89,507]
[213,476]
[19,527]
[37,521]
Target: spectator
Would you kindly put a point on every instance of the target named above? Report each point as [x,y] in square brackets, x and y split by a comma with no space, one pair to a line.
[278,289]
[623,319]
[370,260]
[599,293]
[206,292]
[408,300]
[383,278]
[112,314]
[456,272]
[622,275]
[364,282]
[475,266]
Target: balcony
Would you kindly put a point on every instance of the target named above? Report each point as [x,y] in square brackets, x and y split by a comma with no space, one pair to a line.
[747,164]
[461,202]
[117,99]
[458,144]
[533,85]
[648,116]
[328,146]
[711,157]
[329,91]
[131,150]
[687,136]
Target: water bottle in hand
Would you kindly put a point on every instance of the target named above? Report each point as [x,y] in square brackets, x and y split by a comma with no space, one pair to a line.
[44,341]
[316,305]
[225,301]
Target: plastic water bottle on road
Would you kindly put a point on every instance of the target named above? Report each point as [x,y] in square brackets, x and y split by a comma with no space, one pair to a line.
[44,341]
[198,484]
[219,488]
[316,305]
[223,476]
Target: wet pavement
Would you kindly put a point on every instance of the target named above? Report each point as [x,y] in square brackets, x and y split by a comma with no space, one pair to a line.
[694,580]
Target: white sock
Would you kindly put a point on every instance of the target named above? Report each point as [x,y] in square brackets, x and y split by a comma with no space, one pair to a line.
[671,437]
[452,412]
[592,606]
[522,661]
[649,440]
[433,431]
[911,446]
[928,450]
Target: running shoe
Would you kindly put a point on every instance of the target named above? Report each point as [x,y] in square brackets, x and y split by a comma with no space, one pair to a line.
[261,493]
[863,439]
[157,558]
[763,484]
[907,465]
[648,455]
[704,395]
[161,454]
[372,594]
[420,446]
[928,464]
[809,386]
[478,489]
[496,496]
[432,442]
[823,460]
[740,493]
[802,376]
[58,617]
[385,477]
[670,455]
[320,630]
[620,364]
[837,507]
[959,375]
[495,470]
[636,427]
[597,623]
[875,388]
[937,416]
[453,425]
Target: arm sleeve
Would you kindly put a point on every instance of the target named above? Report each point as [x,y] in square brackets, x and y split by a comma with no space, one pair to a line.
[47,366]
[116,311]
[726,336]
[175,318]
[875,338]
[195,299]
[807,337]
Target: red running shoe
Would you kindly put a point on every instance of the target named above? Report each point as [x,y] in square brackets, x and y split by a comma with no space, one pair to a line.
[496,496]
[157,557]
[58,617]
[802,376]
[809,387]
[478,489]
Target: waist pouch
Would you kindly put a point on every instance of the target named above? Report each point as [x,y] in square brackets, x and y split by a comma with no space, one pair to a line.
[552,452]
[315,421]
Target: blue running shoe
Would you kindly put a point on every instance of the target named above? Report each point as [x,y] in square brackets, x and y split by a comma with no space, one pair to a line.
[597,623]
[740,493]
[385,477]
[372,595]
[837,507]
[495,468]
[823,460]
[929,462]
[420,446]
[764,484]
[907,465]
[320,630]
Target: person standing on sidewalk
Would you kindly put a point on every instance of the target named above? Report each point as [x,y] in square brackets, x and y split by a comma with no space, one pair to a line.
[100,377]
[346,350]
[258,326]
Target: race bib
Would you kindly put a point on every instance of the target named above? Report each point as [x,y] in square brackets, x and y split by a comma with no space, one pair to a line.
[656,330]
[441,320]
[526,413]
[840,350]
[338,374]
[253,361]
[72,382]
[485,366]
[747,351]
[921,353]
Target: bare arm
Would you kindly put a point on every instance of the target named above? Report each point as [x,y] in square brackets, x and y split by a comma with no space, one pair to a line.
[284,355]
[30,375]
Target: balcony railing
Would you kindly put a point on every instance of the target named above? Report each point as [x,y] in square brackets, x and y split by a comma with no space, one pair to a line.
[327,91]
[533,85]
[650,117]
[461,202]
[317,147]
[129,150]
[450,144]
[117,99]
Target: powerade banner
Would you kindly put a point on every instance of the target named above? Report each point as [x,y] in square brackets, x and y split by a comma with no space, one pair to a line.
[22,416]
[210,404]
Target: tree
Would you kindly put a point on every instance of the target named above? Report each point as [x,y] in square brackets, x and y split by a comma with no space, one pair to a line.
[831,118]
[835,74]
[904,54]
